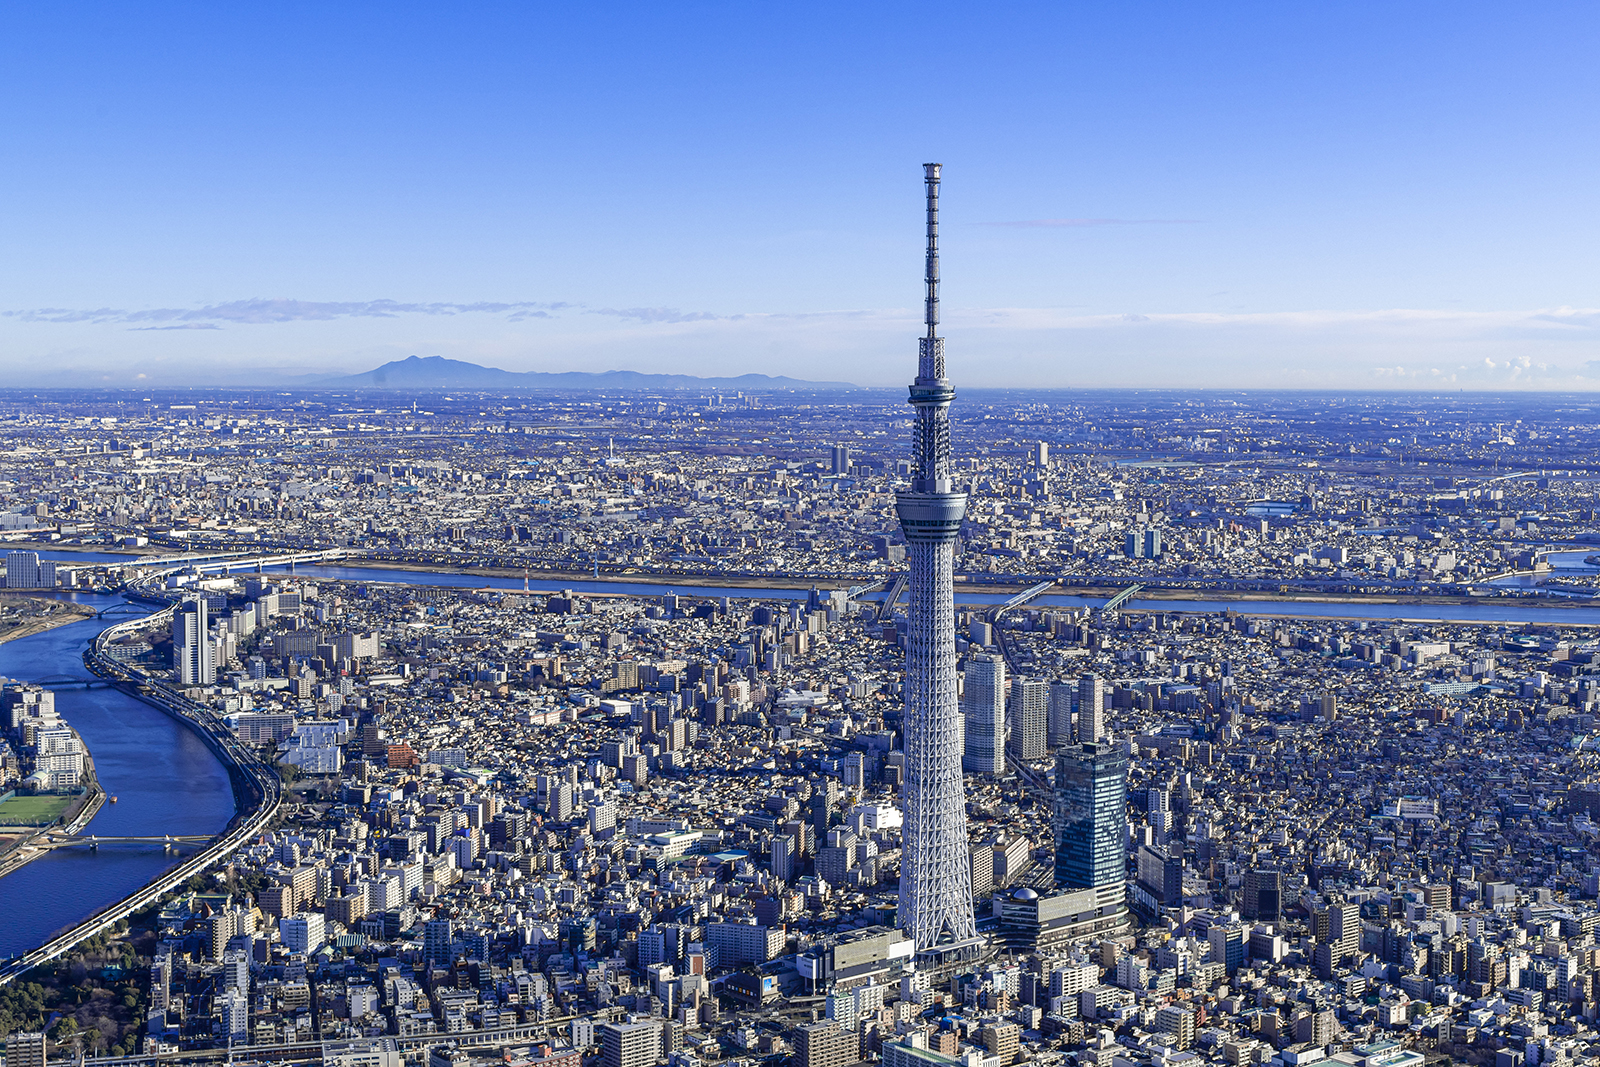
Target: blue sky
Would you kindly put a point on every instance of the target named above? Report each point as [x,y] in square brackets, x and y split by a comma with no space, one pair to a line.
[1350,195]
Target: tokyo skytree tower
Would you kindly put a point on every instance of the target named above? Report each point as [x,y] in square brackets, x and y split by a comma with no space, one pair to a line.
[935,868]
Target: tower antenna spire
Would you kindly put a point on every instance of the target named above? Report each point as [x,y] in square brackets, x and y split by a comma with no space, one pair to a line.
[930,277]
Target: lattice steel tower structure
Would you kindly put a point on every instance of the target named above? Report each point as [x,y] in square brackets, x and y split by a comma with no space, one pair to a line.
[936,868]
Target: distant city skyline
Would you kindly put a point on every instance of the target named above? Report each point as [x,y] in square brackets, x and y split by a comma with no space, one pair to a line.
[1247,197]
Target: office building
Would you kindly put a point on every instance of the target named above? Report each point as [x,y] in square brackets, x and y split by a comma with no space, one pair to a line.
[25,1049]
[841,459]
[823,802]
[304,933]
[982,870]
[783,852]
[236,969]
[1338,933]
[1158,883]
[437,940]
[630,1044]
[743,942]
[983,700]
[1026,714]
[1263,896]
[1090,821]
[1177,1022]
[825,1044]
[1230,944]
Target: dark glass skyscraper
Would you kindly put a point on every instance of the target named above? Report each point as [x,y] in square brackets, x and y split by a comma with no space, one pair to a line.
[1091,821]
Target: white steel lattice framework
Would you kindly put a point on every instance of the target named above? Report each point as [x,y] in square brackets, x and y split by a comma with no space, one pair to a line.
[935,869]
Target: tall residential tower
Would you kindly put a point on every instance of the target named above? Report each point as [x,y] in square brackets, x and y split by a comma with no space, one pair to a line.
[983,699]
[935,875]
[191,643]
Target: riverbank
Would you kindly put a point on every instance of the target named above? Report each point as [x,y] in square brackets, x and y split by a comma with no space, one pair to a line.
[131,551]
[1296,598]
[47,614]
[965,586]
[641,577]
[968,586]
[18,844]
[14,845]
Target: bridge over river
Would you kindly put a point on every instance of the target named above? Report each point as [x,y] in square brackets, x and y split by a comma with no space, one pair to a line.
[48,841]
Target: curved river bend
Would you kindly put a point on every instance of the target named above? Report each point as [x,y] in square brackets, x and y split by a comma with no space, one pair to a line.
[164,778]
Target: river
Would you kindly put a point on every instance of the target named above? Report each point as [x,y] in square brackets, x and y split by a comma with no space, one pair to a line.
[1491,611]
[164,778]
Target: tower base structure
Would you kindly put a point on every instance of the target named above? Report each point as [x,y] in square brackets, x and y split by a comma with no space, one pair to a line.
[952,953]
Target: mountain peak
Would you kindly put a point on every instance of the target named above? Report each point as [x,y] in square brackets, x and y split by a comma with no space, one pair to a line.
[439,372]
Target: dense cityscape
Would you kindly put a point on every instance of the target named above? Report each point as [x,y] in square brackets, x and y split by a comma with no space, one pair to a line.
[591,712]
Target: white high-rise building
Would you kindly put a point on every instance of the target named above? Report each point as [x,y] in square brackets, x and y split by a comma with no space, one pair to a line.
[1025,714]
[1091,708]
[192,651]
[935,872]
[234,1008]
[236,969]
[303,933]
[25,571]
[983,705]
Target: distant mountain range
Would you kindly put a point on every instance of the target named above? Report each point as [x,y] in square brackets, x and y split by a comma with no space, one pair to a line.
[436,372]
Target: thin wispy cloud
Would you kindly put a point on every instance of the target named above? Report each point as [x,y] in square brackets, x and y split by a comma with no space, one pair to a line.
[258,312]
[656,314]
[1047,224]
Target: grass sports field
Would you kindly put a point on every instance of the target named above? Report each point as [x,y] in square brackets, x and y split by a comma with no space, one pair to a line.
[33,811]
